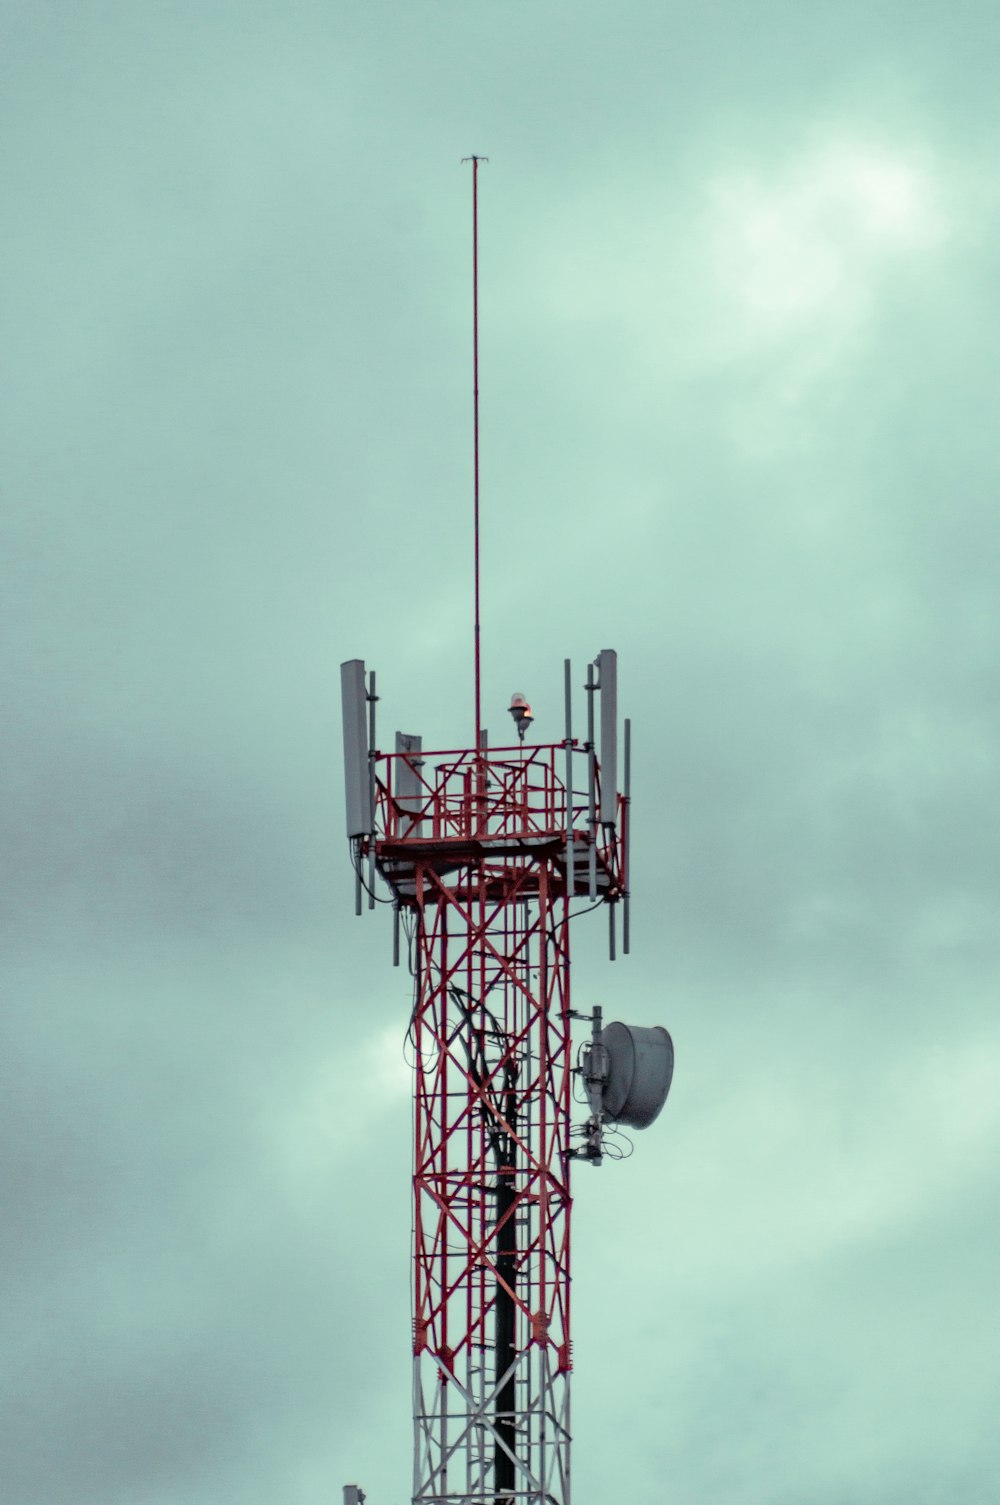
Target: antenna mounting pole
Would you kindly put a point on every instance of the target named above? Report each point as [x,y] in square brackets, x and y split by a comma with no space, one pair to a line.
[475,421]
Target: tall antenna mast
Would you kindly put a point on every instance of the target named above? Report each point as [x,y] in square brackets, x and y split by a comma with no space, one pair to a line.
[475,425]
[485,853]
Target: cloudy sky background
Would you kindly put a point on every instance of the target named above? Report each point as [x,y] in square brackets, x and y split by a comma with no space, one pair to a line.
[739,353]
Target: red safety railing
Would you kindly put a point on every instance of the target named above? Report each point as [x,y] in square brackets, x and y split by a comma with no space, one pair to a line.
[505,792]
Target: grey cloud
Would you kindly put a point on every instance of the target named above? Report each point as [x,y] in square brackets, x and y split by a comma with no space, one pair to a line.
[237,451]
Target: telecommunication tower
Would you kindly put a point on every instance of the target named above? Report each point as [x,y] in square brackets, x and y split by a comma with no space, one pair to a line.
[486,854]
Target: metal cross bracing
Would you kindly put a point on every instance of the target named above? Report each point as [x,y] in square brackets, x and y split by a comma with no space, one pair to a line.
[484,853]
[491,1187]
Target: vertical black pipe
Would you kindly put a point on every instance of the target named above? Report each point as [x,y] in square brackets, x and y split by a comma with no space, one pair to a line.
[505,1311]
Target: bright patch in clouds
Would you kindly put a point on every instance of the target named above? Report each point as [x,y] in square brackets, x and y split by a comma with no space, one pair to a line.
[856,1167]
[334,1107]
[794,248]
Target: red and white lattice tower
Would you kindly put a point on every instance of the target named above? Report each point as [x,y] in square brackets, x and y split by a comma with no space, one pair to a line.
[483,852]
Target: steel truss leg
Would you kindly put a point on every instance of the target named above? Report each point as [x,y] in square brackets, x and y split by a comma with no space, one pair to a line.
[491,1036]
[456,1435]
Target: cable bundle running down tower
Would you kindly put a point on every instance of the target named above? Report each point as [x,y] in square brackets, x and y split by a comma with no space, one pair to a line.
[487,853]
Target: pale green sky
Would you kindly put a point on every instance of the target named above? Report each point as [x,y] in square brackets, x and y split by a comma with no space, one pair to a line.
[739,352]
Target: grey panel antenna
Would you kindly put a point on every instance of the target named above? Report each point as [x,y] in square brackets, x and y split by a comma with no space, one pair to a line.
[411,796]
[357,787]
[607,669]
[372,744]
[591,786]
[640,1070]
[627,835]
[568,693]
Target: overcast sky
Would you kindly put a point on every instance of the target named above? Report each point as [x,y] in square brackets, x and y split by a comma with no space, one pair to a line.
[739,351]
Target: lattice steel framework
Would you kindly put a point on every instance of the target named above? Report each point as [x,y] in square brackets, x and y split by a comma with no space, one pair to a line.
[484,853]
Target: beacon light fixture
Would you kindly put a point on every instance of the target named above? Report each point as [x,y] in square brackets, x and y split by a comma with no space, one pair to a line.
[521,712]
